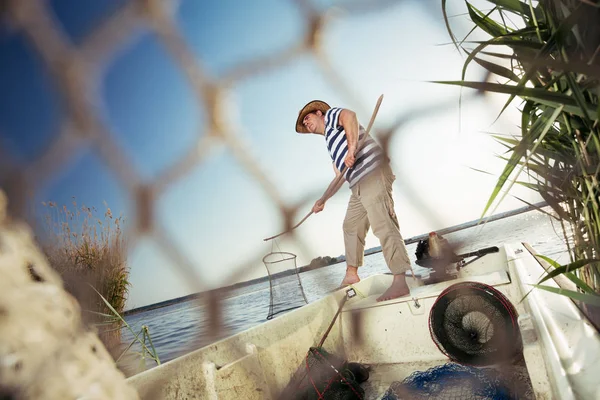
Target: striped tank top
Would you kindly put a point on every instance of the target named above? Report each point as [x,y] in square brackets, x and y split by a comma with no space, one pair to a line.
[368,158]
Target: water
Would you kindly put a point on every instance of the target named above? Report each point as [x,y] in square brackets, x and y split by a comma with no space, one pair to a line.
[181,328]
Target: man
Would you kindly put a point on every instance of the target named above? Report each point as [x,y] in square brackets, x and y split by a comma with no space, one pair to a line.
[370,179]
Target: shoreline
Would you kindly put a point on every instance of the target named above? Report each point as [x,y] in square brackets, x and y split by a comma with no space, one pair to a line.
[340,259]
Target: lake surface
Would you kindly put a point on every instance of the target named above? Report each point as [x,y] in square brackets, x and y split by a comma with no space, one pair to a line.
[180,328]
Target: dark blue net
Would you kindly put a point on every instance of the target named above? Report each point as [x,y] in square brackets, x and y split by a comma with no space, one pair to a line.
[451,381]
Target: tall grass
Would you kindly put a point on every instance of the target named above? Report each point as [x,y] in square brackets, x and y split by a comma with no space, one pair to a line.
[90,253]
[547,54]
[123,362]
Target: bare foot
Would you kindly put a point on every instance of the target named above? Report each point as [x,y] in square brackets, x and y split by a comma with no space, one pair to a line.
[351,277]
[399,288]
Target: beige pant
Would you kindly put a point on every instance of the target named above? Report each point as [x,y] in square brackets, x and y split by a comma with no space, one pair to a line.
[371,205]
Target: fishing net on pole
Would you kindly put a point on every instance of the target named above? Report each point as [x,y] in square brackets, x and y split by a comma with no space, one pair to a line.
[286,291]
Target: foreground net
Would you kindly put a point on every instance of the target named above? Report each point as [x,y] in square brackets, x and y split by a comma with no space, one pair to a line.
[47,351]
[285,285]
[452,381]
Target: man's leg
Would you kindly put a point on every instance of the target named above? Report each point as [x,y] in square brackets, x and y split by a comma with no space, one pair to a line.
[377,200]
[356,226]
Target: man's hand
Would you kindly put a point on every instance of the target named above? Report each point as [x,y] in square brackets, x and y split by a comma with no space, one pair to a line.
[318,207]
[349,160]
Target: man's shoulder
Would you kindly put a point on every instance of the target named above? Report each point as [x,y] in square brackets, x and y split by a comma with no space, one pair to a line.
[332,116]
[333,110]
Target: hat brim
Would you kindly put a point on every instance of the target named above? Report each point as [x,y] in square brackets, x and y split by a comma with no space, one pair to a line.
[312,106]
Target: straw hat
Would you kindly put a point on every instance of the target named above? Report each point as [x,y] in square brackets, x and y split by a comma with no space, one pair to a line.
[315,105]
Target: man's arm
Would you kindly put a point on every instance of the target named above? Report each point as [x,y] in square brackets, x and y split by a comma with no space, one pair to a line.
[334,186]
[337,171]
[350,123]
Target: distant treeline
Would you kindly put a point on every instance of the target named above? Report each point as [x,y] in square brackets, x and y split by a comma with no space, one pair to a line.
[320,262]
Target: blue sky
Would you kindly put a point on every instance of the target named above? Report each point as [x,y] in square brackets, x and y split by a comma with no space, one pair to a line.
[217,214]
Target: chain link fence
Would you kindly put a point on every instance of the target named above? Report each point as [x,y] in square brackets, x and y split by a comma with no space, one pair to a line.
[76,70]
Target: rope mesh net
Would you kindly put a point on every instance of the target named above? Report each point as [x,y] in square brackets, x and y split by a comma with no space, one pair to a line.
[285,285]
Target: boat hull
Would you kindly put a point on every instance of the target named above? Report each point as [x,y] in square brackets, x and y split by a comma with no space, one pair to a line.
[560,348]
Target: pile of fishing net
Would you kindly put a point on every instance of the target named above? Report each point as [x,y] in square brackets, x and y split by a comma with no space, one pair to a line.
[452,381]
[476,326]
[325,376]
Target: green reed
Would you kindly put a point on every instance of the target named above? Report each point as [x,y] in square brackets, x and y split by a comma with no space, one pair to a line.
[144,341]
[547,54]
[89,251]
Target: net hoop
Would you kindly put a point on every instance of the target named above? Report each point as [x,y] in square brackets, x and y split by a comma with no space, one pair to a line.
[287,256]
[505,341]
[269,260]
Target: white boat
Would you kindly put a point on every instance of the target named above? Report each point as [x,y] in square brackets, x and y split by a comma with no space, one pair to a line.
[560,347]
